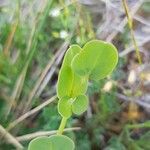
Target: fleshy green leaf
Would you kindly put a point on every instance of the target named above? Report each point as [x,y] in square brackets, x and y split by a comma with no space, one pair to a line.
[64,106]
[65,80]
[70,84]
[40,143]
[96,60]
[80,104]
[79,85]
[71,52]
[61,142]
[55,142]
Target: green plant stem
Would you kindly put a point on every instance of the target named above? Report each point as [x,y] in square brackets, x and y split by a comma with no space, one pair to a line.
[136,47]
[141,125]
[62,125]
[130,24]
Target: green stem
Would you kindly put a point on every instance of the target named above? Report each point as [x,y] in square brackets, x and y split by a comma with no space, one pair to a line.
[141,125]
[136,47]
[130,24]
[62,125]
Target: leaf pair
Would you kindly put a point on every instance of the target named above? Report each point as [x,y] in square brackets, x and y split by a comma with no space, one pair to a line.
[55,142]
[68,105]
[96,60]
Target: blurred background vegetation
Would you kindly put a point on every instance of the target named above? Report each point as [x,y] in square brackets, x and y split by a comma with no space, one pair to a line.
[34,35]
